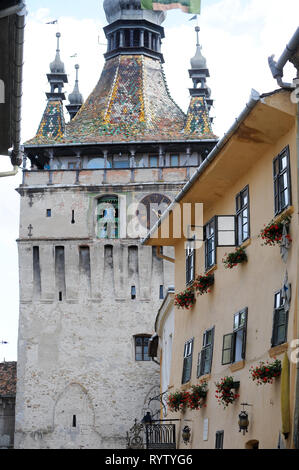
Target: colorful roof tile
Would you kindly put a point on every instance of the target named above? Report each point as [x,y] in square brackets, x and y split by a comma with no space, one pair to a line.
[8,378]
[198,123]
[52,127]
[131,102]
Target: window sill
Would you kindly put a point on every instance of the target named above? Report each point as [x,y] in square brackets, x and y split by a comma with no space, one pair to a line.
[288,211]
[237,366]
[277,350]
[211,270]
[186,386]
[246,243]
[204,378]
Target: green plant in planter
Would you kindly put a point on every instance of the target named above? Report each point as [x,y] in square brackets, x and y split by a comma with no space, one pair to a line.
[203,283]
[224,391]
[177,401]
[265,373]
[185,299]
[272,233]
[236,257]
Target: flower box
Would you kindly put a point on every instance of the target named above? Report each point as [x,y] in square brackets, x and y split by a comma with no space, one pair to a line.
[236,257]
[193,400]
[177,401]
[265,372]
[197,396]
[185,299]
[224,393]
[203,284]
[273,232]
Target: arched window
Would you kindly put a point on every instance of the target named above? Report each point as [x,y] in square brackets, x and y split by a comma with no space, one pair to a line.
[108,217]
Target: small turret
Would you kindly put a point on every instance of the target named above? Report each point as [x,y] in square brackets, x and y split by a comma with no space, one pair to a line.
[198,120]
[57,78]
[75,98]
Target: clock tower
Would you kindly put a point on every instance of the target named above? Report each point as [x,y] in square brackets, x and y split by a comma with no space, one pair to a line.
[89,292]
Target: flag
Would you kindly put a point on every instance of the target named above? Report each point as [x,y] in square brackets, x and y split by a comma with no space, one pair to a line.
[52,22]
[188,6]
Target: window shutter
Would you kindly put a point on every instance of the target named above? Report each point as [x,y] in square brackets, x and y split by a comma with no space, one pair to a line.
[274,328]
[187,365]
[244,335]
[199,364]
[226,230]
[227,349]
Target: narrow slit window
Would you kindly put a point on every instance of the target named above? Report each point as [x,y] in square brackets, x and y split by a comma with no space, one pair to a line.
[73,217]
[133,292]
[74,421]
[161,292]
[60,296]
[49,213]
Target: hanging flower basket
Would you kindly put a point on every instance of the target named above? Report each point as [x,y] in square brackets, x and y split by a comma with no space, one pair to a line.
[177,401]
[203,283]
[273,232]
[197,397]
[224,391]
[236,257]
[265,373]
[185,299]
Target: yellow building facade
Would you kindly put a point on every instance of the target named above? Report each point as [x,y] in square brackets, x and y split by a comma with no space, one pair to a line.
[249,315]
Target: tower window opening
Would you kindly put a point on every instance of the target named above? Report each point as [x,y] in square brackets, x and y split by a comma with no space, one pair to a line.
[49,213]
[133,292]
[74,421]
[161,292]
[60,296]
[73,217]
[108,217]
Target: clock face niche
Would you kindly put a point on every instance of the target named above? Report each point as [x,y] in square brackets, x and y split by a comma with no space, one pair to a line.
[151,208]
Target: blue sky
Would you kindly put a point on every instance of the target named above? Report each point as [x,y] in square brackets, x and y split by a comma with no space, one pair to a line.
[237,37]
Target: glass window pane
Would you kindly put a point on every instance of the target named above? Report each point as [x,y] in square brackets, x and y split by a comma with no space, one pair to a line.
[226,356]
[242,319]
[284,162]
[238,345]
[226,223]
[277,300]
[281,334]
[226,238]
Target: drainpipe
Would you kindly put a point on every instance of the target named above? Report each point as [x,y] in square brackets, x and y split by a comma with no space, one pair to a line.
[10,173]
[296,413]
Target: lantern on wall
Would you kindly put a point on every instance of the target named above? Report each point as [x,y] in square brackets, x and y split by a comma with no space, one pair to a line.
[243,420]
[186,434]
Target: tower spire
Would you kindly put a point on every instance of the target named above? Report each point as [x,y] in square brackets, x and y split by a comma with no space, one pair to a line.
[57,76]
[75,98]
[198,119]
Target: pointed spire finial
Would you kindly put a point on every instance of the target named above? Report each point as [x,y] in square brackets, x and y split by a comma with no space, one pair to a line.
[75,98]
[198,61]
[57,66]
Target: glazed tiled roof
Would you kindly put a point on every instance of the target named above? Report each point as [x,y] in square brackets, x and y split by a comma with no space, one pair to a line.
[8,378]
[131,102]
[52,126]
[198,123]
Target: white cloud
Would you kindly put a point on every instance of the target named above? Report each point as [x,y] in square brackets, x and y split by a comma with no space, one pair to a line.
[237,37]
